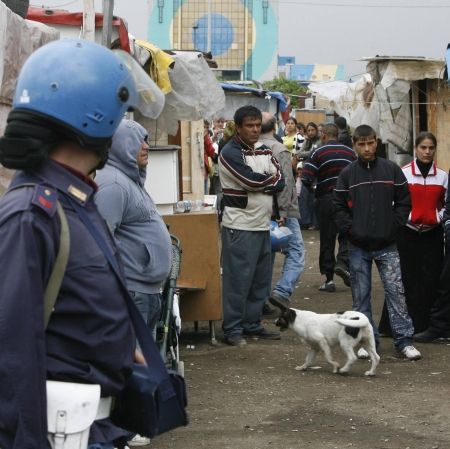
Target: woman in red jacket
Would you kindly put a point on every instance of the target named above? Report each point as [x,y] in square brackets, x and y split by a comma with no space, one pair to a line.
[421,243]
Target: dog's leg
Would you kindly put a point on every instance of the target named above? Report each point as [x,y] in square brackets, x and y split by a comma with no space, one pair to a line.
[310,358]
[351,357]
[368,343]
[328,356]
[374,359]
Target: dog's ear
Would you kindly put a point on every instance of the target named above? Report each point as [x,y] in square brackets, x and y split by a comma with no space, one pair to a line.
[282,304]
[290,315]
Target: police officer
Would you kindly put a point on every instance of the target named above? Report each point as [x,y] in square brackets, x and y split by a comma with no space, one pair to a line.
[71,95]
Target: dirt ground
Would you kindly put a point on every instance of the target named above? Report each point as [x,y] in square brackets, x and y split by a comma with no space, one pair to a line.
[253,397]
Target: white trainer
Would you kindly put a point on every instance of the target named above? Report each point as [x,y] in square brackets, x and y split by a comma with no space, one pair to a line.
[362,354]
[139,440]
[411,353]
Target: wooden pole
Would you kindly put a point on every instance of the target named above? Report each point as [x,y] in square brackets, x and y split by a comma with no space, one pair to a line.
[88,31]
[108,8]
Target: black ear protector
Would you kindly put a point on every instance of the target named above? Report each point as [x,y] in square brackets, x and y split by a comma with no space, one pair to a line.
[29,138]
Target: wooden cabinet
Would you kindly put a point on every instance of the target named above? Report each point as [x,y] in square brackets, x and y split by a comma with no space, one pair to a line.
[199,280]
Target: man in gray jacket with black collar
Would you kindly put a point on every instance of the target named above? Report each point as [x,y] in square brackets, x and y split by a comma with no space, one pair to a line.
[294,254]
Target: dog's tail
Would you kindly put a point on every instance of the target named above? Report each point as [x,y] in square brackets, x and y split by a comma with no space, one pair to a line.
[352,319]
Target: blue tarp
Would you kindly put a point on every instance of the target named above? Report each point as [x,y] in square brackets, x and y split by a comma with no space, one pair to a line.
[257,92]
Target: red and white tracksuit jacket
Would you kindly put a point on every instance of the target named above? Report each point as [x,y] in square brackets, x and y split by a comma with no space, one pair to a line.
[427,196]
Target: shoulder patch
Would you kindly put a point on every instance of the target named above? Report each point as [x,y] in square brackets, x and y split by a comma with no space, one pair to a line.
[45,198]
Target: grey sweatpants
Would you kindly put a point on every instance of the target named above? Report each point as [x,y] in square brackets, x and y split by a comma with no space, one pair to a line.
[246,274]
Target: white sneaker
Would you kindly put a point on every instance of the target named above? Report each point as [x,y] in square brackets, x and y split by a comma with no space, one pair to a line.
[362,354]
[139,440]
[411,353]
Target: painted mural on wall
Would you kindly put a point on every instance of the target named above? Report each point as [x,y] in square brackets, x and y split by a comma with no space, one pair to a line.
[242,35]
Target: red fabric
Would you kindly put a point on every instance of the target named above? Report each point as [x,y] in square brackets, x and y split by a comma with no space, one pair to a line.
[426,201]
[61,17]
[207,152]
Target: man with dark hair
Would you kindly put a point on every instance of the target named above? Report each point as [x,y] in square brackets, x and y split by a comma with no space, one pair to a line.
[288,214]
[250,176]
[325,165]
[343,136]
[372,202]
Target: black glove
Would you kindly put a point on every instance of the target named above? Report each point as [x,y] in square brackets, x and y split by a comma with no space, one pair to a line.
[447,236]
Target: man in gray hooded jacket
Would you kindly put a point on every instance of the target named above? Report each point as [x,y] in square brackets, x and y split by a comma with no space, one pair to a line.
[142,236]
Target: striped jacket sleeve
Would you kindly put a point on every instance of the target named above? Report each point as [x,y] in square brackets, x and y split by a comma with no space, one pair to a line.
[234,163]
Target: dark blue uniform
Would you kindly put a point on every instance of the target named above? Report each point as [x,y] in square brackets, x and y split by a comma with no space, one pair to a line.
[89,337]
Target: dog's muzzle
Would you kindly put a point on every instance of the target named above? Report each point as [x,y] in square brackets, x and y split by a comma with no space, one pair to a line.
[282,323]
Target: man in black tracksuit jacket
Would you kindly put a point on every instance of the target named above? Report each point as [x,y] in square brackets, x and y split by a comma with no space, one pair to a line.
[372,201]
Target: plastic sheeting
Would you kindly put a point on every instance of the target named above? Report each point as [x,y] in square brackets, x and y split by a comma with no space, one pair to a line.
[196,94]
[18,39]
[381,99]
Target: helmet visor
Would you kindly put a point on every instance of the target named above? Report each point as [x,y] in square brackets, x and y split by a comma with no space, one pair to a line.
[149,100]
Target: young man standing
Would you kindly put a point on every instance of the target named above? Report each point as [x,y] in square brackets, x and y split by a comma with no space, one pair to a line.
[372,201]
[324,165]
[250,176]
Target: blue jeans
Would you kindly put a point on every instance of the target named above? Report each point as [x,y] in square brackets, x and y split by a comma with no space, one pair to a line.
[387,261]
[149,304]
[294,261]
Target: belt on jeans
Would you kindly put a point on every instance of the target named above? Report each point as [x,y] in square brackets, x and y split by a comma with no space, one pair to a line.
[104,408]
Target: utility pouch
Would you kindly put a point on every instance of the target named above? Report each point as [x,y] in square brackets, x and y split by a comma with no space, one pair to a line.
[71,410]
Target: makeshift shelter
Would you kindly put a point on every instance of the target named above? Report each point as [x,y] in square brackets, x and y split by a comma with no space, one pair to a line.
[237,95]
[398,97]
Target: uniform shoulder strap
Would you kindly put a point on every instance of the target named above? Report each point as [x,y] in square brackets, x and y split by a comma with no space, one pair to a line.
[56,278]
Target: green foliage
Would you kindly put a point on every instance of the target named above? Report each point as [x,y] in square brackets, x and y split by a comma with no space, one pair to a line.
[289,88]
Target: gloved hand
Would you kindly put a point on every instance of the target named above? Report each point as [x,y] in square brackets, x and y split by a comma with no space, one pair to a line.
[447,236]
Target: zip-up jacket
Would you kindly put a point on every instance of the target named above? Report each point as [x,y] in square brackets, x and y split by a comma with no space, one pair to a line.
[427,196]
[249,178]
[287,198]
[372,201]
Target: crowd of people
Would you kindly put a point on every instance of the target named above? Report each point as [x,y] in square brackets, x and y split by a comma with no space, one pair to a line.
[373,209]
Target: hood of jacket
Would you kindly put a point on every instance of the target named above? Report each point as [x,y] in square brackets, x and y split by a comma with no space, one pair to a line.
[126,144]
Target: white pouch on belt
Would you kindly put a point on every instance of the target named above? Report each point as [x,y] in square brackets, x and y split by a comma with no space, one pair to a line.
[71,410]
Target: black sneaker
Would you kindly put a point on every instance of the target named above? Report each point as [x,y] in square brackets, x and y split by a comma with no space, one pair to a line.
[264,334]
[431,336]
[267,310]
[235,340]
[344,274]
[278,301]
[328,287]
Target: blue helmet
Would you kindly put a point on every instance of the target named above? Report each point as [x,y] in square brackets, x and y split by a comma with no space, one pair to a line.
[279,236]
[78,83]
[68,89]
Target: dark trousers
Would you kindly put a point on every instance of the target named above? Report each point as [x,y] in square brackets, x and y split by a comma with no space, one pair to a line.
[306,208]
[421,257]
[328,233]
[247,268]
[440,311]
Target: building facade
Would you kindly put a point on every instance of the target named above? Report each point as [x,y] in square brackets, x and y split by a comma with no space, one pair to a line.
[242,35]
